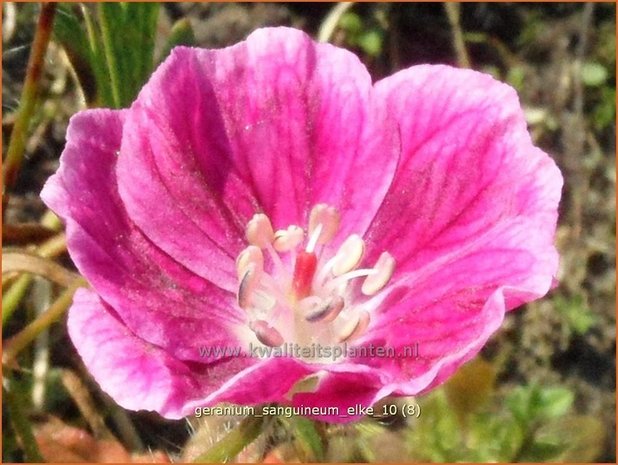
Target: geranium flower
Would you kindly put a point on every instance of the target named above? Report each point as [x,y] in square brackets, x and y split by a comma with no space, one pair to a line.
[268,195]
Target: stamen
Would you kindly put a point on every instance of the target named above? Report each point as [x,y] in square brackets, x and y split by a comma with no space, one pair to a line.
[248,285]
[313,239]
[260,231]
[266,334]
[274,256]
[288,239]
[327,312]
[251,254]
[305,290]
[304,269]
[328,217]
[354,327]
[383,270]
[350,275]
[349,255]
[264,301]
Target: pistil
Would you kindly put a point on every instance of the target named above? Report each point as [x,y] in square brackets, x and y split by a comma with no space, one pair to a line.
[313,302]
[304,270]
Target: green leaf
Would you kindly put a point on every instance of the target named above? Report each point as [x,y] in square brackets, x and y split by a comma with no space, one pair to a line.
[534,403]
[16,403]
[604,113]
[234,442]
[581,438]
[371,42]
[436,437]
[306,433]
[552,402]
[72,36]
[576,313]
[540,452]
[113,54]
[351,23]
[493,438]
[128,32]
[516,76]
[181,34]
[593,74]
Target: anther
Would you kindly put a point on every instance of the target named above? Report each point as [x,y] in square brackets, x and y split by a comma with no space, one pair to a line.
[349,255]
[248,285]
[354,327]
[383,270]
[251,254]
[288,239]
[259,230]
[266,334]
[327,312]
[328,217]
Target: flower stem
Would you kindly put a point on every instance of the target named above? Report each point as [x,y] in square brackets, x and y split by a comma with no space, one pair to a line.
[232,444]
[21,340]
[459,44]
[15,151]
[329,24]
[21,425]
[12,297]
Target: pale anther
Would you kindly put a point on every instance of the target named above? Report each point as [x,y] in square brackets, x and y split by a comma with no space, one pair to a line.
[288,239]
[349,255]
[383,270]
[292,287]
[355,327]
[248,285]
[327,312]
[260,231]
[266,334]
[251,254]
[328,217]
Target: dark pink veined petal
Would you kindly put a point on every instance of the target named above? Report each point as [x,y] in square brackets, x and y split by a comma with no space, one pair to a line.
[276,124]
[344,391]
[468,171]
[432,332]
[267,380]
[275,379]
[136,374]
[470,219]
[158,299]
[141,376]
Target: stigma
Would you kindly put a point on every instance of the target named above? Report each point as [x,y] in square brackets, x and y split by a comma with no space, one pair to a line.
[310,293]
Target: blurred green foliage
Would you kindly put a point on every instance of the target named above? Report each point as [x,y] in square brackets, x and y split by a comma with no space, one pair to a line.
[576,313]
[535,426]
[111,47]
[365,34]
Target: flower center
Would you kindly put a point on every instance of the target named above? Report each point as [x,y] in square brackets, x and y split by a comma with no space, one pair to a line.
[306,297]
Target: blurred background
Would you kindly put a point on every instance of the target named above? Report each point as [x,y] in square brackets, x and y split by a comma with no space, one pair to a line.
[544,387]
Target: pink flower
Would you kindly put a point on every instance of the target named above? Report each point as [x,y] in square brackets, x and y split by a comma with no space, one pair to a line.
[268,196]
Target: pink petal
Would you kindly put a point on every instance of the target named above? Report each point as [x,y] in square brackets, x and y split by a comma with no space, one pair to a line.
[136,374]
[470,219]
[348,393]
[155,297]
[268,380]
[276,124]
[432,333]
[141,376]
[468,172]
